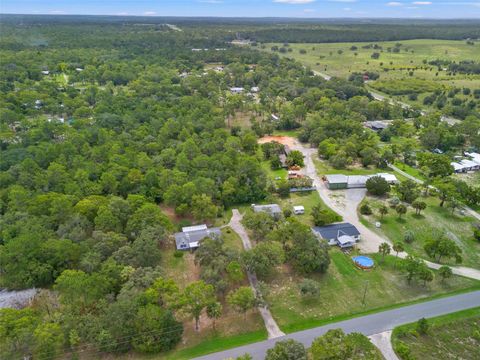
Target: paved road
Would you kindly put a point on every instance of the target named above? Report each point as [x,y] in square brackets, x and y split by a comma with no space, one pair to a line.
[273,329]
[368,325]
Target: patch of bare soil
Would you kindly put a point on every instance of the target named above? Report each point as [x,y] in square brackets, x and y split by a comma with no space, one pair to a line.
[285,140]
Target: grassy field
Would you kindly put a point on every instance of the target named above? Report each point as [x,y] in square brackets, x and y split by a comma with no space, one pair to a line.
[453,336]
[434,221]
[342,289]
[395,68]
[338,60]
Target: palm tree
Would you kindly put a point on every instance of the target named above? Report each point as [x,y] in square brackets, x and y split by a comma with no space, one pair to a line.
[383,210]
[384,249]
[398,247]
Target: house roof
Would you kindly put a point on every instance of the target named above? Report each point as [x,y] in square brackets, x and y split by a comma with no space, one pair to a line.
[337,179]
[270,208]
[388,177]
[468,163]
[457,166]
[475,157]
[357,180]
[191,239]
[334,231]
[345,240]
[194,228]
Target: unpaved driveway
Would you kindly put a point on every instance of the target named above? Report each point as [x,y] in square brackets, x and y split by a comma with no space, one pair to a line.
[345,203]
[384,343]
[270,323]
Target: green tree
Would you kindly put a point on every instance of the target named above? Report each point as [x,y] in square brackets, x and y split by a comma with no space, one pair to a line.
[445,272]
[295,158]
[287,350]
[48,340]
[442,247]
[195,299]
[243,299]
[401,210]
[263,258]
[419,206]
[324,216]
[309,288]
[203,208]
[377,185]
[235,272]
[384,249]
[156,329]
[214,311]
[260,223]
[383,210]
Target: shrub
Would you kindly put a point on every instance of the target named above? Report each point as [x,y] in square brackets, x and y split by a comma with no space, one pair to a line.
[323,217]
[309,288]
[365,209]
[403,351]
[178,254]
[476,234]
[394,202]
[409,236]
[423,326]
[377,185]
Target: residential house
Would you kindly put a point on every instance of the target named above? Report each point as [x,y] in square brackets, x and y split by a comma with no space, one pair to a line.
[191,236]
[344,235]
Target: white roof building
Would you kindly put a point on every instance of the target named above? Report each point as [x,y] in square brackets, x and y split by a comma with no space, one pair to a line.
[474,156]
[236,90]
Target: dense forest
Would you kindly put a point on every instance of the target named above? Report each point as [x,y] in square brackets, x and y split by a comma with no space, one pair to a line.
[107,129]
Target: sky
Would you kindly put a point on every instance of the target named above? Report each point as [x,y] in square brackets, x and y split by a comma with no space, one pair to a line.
[251,8]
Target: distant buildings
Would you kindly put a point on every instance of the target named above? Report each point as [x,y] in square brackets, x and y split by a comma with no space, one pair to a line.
[236,90]
[344,235]
[377,125]
[340,181]
[191,236]
[466,165]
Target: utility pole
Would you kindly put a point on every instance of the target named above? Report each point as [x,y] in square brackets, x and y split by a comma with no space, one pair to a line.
[365,292]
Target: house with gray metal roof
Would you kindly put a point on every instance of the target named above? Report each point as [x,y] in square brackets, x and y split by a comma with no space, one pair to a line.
[191,236]
[344,235]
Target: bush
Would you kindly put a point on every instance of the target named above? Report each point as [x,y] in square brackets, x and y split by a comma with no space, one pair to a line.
[178,253]
[309,288]
[365,209]
[323,217]
[403,351]
[423,326]
[393,202]
[377,185]
[287,213]
[409,236]
[476,234]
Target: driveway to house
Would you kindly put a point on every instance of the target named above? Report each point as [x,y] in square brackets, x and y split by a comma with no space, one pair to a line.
[368,325]
[347,208]
[235,223]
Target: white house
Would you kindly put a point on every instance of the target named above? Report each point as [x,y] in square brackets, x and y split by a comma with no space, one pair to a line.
[236,90]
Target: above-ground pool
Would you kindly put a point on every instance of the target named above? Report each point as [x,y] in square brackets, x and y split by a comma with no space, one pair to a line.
[363,262]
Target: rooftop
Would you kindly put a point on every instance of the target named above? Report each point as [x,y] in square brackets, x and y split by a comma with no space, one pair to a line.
[334,231]
[337,178]
[191,239]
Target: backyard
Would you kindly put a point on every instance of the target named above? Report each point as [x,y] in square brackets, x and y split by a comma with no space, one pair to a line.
[342,289]
[433,221]
[453,336]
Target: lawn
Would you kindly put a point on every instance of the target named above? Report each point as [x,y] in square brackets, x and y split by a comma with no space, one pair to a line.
[453,336]
[410,170]
[434,221]
[324,168]
[342,289]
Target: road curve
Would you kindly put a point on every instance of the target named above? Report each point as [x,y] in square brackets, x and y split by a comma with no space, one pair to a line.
[367,325]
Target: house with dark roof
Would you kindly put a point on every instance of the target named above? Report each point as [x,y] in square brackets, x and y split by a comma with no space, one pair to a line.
[191,236]
[344,235]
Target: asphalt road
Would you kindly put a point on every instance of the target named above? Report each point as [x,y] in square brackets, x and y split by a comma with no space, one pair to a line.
[368,325]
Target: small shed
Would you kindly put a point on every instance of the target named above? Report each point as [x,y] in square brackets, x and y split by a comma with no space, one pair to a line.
[336,181]
[272,209]
[299,210]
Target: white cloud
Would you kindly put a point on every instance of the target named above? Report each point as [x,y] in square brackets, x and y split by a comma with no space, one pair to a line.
[149,13]
[123,13]
[394,3]
[57,12]
[422,3]
[293,1]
